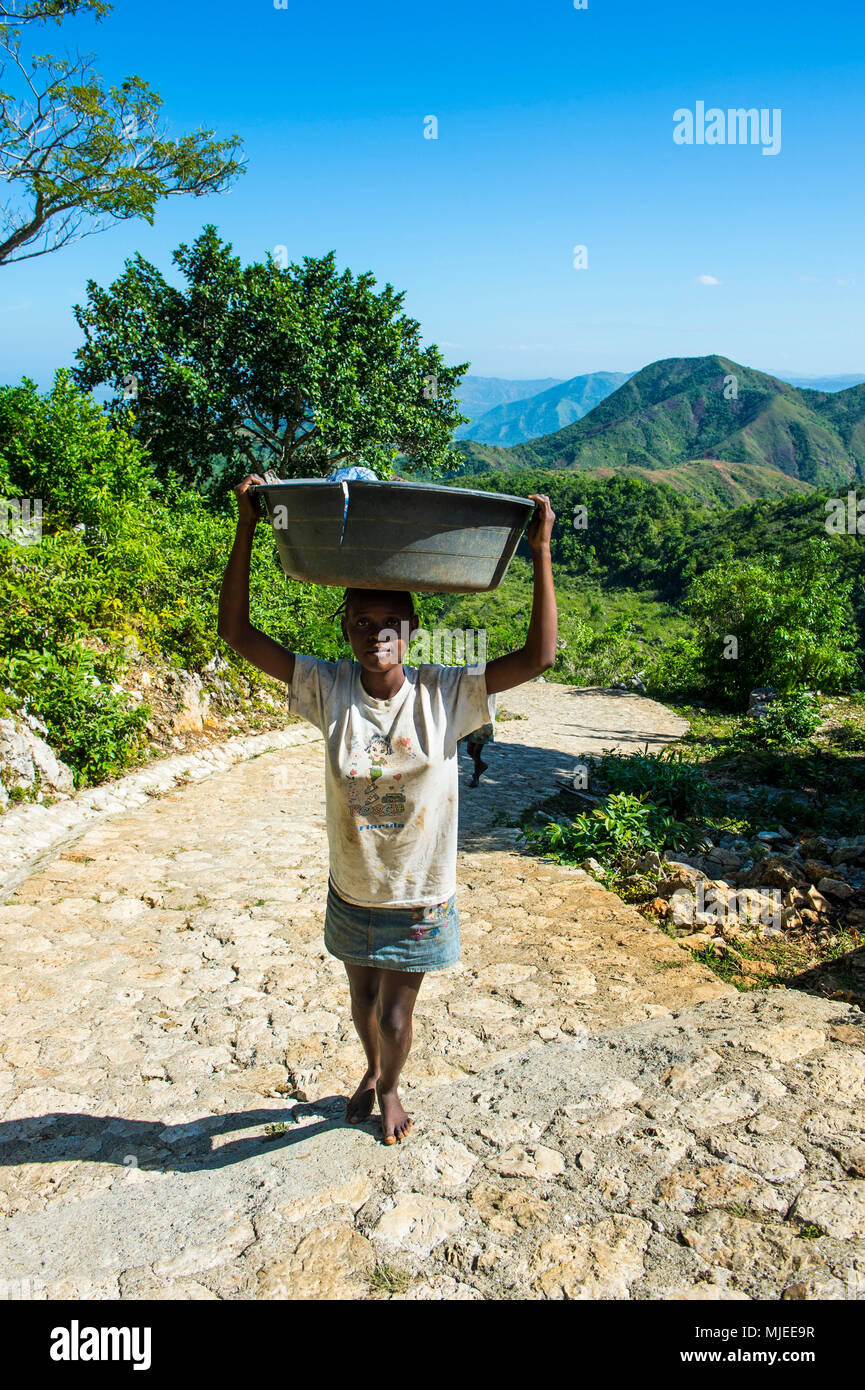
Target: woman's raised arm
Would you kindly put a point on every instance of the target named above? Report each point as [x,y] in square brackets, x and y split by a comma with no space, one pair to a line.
[234,626]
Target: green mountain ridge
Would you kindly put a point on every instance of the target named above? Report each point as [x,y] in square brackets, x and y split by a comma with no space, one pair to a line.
[517,422]
[675,413]
[479,394]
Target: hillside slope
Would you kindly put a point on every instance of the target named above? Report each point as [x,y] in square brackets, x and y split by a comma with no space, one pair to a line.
[675,411]
[516,422]
[478,394]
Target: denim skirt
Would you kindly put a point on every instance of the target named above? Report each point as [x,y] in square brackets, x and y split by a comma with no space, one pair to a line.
[392,938]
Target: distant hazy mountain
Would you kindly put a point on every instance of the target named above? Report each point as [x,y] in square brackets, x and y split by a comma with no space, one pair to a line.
[827,383]
[675,412]
[478,394]
[517,421]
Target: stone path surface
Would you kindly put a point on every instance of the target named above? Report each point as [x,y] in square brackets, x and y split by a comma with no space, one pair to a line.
[597,1114]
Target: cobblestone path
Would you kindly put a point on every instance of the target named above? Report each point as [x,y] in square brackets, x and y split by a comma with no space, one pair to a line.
[597,1115]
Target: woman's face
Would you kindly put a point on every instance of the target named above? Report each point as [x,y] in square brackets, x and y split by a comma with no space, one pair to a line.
[378,627]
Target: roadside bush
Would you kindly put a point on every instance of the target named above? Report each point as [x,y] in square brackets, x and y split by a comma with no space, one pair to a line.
[783,723]
[123,562]
[597,656]
[666,778]
[620,829]
[793,624]
[91,726]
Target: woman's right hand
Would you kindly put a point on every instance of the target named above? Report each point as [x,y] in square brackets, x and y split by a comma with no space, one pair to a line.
[249,509]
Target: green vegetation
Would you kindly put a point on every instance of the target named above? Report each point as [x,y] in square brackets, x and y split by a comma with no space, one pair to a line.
[683,409]
[298,369]
[82,156]
[773,624]
[783,723]
[128,562]
[652,584]
[802,769]
[647,801]
[615,833]
[124,564]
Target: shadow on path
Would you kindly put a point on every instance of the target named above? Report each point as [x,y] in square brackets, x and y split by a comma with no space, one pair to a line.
[150,1145]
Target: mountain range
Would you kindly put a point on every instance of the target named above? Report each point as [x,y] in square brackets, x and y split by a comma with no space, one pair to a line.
[478,394]
[826,383]
[515,421]
[707,425]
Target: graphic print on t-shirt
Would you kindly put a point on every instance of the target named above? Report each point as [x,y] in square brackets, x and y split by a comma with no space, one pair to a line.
[379,855]
[375,799]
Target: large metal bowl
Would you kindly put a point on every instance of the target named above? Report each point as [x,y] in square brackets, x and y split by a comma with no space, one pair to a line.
[376,535]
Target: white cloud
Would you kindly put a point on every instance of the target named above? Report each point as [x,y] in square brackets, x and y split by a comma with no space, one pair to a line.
[707,280]
[846,283]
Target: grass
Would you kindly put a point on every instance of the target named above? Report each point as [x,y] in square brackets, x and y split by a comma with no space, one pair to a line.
[386,1281]
[724,966]
[504,615]
[810,1232]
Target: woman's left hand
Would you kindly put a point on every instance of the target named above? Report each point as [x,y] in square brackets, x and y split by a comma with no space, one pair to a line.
[541,525]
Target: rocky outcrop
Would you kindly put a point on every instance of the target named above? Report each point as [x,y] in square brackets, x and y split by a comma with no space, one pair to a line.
[28,763]
[772,884]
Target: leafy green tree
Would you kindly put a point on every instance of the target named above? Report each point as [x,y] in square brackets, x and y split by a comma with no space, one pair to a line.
[61,449]
[297,368]
[792,624]
[78,156]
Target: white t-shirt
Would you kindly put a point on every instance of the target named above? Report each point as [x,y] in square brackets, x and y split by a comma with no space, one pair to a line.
[391,780]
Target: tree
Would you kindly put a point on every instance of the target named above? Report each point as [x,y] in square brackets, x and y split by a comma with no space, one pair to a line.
[792,621]
[16,15]
[78,156]
[297,368]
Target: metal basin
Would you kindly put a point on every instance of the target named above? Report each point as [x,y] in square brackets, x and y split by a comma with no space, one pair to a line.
[417,536]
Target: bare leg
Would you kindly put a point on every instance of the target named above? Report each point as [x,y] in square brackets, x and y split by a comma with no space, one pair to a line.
[364,984]
[475,749]
[398,992]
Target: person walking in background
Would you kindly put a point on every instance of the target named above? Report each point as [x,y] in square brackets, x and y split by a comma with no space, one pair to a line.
[392,734]
[474,747]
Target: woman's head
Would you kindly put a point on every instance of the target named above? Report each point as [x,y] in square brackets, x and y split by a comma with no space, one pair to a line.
[377,624]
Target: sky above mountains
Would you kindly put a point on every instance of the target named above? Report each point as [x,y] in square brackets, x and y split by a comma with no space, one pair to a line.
[554,131]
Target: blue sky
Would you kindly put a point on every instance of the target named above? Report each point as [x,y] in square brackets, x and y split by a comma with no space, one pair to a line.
[554,130]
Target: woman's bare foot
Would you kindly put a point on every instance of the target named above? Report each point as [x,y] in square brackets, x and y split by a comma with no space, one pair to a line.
[395,1123]
[359,1108]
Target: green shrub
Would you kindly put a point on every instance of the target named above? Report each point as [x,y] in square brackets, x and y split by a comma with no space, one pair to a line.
[676,669]
[119,559]
[793,625]
[61,448]
[784,722]
[620,829]
[597,656]
[666,778]
[90,726]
